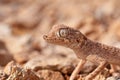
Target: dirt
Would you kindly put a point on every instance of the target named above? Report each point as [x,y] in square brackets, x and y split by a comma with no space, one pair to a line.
[25,55]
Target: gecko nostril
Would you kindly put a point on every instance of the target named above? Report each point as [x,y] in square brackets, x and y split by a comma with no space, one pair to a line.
[44,36]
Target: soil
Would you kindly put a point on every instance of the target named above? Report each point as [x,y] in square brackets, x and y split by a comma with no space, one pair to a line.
[24,55]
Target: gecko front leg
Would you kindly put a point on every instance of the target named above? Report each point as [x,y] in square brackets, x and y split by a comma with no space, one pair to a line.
[96,71]
[77,69]
[115,70]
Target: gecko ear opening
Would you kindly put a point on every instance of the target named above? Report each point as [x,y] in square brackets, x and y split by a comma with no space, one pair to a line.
[63,32]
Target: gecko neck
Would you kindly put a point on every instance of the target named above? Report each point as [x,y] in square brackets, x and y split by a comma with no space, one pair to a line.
[81,49]
[79,44]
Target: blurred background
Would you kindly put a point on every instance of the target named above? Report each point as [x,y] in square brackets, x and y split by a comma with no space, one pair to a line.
[24,22]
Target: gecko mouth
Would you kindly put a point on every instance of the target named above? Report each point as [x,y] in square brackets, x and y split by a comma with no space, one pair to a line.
[52,40]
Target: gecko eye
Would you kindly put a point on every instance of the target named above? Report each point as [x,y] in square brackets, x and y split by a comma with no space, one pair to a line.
[63,32]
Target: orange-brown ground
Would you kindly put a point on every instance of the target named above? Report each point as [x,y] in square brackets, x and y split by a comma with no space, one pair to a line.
[25,55]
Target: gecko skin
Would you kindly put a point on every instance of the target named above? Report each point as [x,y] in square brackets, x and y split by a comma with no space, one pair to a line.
[84,48]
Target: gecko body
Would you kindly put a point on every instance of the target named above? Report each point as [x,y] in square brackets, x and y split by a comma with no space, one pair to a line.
[84,48]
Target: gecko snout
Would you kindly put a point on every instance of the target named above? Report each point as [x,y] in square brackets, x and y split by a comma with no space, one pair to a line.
[45,37]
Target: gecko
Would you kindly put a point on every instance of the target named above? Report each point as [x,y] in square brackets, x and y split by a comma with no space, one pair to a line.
[84,48]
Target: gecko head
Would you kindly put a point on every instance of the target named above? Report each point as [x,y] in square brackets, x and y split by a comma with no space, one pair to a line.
[63,35]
